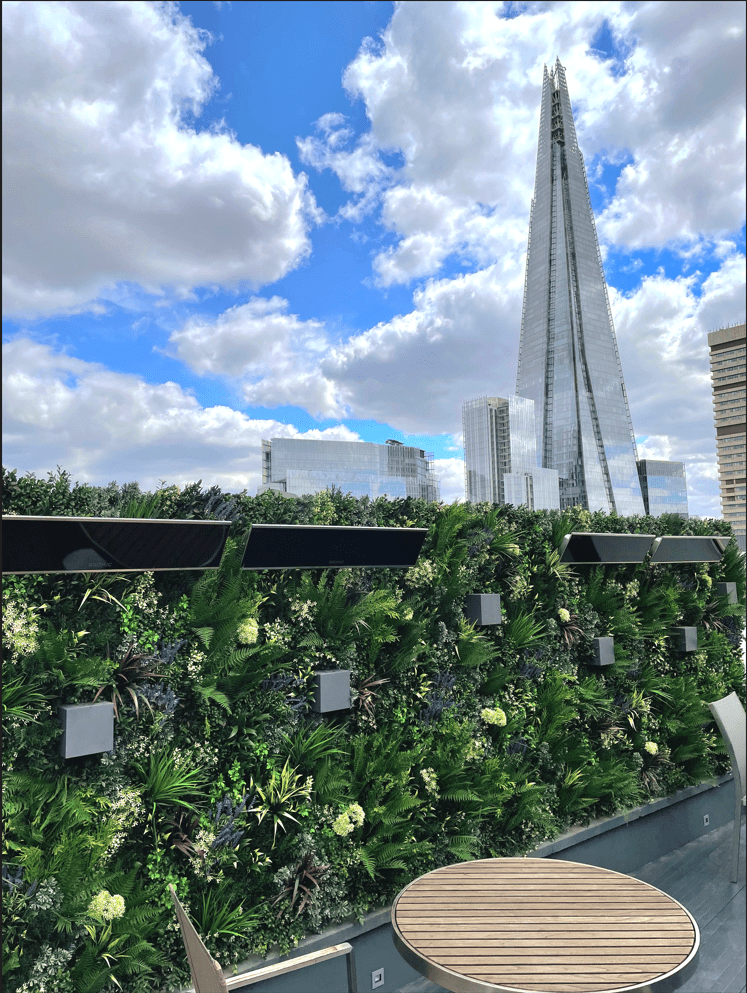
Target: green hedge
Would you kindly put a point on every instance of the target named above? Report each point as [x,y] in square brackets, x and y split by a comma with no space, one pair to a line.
[273,823]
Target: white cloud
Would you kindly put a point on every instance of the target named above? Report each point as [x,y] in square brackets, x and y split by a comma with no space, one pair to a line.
[107,180]
[662,331]
[249,339]
[450,473]
[415,371]
[360,169]
[455,88]
[102,425]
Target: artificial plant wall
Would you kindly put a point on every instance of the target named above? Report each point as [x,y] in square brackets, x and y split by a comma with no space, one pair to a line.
[273,822]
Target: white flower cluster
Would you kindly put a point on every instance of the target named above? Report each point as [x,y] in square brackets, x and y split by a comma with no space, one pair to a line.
[346,823]
[430,780]
[105,907]
[651,747]
[278,632]
[477,749]
[20,627]
[248,631]
[303,609]
[631,591]
[143,594]
[47,970]
[493,715]
[128,808]
[422,574]
[564,615]
[195,661]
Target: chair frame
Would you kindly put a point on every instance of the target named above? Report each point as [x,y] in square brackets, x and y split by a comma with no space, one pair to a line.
[730,716]
[207,975]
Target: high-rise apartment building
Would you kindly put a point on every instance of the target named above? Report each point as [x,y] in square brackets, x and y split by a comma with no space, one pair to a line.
[500,455]
[728,381]
[303,466]
[664,487]
[568,359]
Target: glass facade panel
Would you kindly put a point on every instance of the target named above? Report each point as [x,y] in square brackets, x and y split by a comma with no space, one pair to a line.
[568,359]
[664,487]
[305,466]
[500,454]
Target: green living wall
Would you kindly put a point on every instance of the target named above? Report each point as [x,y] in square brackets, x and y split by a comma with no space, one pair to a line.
[273,823]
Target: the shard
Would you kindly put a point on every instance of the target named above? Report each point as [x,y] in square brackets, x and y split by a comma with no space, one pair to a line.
[568,358]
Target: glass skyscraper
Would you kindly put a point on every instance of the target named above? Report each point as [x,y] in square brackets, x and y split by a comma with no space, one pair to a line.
[568,359]
[500,455]
[664,487]
[303,466]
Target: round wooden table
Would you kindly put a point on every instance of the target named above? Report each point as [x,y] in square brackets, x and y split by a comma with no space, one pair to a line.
[546,925]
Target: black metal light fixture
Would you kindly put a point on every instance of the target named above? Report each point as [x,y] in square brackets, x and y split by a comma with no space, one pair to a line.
[582,548]
[110,544]
[673,549]
[320,546]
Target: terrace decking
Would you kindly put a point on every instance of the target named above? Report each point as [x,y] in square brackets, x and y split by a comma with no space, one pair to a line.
[698,876]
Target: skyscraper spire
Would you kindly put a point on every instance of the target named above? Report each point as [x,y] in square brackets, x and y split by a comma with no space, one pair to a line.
[568,359]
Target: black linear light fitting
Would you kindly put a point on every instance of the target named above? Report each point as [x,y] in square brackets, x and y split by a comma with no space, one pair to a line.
[686,548]
[320,546]
[110,544]
[604,549]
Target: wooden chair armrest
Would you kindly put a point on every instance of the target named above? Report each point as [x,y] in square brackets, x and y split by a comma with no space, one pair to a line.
[280,968]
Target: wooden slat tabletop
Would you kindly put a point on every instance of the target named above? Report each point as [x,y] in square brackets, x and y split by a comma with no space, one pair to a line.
[542,926]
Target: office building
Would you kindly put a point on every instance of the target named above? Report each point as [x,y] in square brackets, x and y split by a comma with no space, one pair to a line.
[568,359]
[500,455]
[727,348]
[663,487]
[304,466]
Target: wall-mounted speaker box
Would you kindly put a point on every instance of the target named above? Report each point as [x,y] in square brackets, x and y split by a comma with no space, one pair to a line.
[483,608]
[331,690]
[603,651]
[317,546]
[87,728]
[727,589]
[685,639]
[110,544]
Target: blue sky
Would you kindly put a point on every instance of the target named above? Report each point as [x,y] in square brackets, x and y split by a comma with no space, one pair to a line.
[230,221]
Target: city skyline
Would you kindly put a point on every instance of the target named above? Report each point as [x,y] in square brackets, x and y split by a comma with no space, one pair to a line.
[225,222]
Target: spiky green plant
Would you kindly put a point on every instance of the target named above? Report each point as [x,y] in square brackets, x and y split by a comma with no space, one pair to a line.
[23,697]
[522,629]
[310,744]
[280,798]
[214,916]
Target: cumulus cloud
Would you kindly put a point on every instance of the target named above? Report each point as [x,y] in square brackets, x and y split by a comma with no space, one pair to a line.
[455,88]
[460,340]
[450,473]
[359,166]
[271,353]
[662,329]
[103,425]
[106,177]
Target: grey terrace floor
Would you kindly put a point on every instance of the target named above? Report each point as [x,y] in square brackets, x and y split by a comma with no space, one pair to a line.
[698,876]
